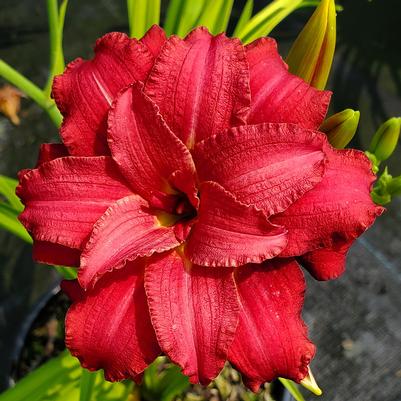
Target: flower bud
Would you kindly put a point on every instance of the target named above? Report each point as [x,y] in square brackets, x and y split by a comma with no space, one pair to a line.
[341,127]
[310,384]
[311,55]
[385,139]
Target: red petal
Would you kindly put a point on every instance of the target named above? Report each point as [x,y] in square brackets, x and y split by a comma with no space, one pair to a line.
[277,95]
[267,165]
[195,313]
[229,233]
[147,152]
[154,39]
[64,198]
[55,254]
[337,210]
[73,290]
[126,231]
[325,264]
[51,151]
[86,90]
[110,327]
[201,85]
[271,339]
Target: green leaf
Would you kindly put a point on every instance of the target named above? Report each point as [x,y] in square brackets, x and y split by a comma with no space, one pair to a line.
[215,15]
[46,381]
[163,381]
[7,189]
[292,388]
[87,384]
[142,14]
[262,23]
[244,18]
[182,16]
[56,17]
[9,221]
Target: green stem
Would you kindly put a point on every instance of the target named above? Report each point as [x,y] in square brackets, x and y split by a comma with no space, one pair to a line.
[56,23]
[31,90]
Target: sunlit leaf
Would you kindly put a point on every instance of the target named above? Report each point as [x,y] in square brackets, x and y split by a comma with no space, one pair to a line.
[88,380]
[215,15]
[7,189]
[9,221]
[142,14]
[262,23]
[182,16]
[244,18]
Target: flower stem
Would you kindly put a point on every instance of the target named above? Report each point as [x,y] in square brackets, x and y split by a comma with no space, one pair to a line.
[31,90]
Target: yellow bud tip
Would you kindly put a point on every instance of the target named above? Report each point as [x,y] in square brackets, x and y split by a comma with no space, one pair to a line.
[310,384]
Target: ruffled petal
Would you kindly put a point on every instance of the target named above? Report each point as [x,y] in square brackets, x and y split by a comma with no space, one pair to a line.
[277,95]
[126,231]
[64,197]
[51,151]
[325,264]
[201,85]
[154,39]
[146,151]
[55,254]
[266,165]
[109,327]
[85,91]
[194,311]
[271,338]
[230,233]
[335,211]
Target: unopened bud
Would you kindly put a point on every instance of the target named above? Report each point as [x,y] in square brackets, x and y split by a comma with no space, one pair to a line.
[310,384]
[385,139]
[341,127]
[311,55]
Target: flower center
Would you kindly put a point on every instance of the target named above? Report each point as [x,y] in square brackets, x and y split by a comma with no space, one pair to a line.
[181,211]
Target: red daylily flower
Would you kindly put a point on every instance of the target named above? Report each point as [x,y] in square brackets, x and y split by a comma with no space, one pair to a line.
[191,184]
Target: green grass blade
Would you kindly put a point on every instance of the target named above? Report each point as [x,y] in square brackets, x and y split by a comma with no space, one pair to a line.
[292,388]
[7,189]
[9,221]
[244,18]
[267,19]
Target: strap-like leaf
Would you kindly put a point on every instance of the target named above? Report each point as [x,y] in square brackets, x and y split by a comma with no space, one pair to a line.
[292,389]
[9,221]
[7,189]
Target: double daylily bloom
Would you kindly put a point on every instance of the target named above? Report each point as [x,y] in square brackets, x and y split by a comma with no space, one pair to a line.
[191,183]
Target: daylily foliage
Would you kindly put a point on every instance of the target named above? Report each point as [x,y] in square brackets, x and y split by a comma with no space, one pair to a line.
[189,188]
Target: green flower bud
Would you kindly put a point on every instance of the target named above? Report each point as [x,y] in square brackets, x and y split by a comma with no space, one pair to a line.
[311,55]
[341,127]
[385,139]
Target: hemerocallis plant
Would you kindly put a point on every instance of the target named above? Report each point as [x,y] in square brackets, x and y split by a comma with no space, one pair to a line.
[190,188]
